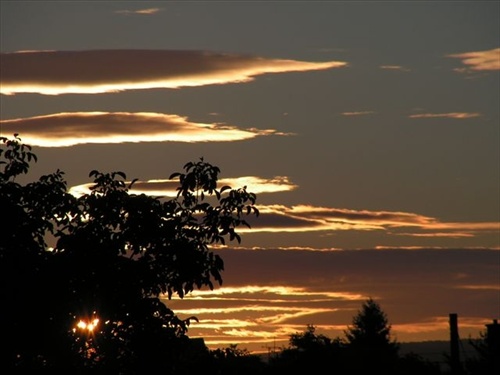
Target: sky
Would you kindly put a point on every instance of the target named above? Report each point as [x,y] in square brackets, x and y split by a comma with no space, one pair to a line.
[369,130]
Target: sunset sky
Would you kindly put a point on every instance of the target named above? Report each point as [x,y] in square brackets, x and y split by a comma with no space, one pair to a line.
[370,131]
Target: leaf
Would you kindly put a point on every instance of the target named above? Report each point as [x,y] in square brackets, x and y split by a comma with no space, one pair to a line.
[121,174]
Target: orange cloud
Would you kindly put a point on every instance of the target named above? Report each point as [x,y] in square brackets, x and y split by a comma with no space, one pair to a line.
[455,115]
[480,60]
[68,129]
[104,71]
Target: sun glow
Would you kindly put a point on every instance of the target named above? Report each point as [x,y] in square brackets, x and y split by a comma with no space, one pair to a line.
[87,326]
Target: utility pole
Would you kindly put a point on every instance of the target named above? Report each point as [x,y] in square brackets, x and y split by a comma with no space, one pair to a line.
[268,352]
[456,368]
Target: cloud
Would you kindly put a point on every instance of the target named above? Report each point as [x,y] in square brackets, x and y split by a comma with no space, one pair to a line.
[306,218]
[147,11]
[73,128]
[438,323]
[272,293]
[479,60]
[357,113]
[167,188]
[454,115]
[394,67]
[256,313]
[267,302]
[383,247]
[105,71]
[437,234]
[481,287]
[312,218]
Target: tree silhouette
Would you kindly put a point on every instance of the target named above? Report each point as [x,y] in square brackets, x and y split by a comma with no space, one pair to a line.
[309,340]
[309,351]
[487,350]
[82,277]
[233,360]
[369,338]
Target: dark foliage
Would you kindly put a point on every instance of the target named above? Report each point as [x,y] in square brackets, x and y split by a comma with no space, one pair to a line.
[308,352]
[366,349]
[107,255]
[232,360]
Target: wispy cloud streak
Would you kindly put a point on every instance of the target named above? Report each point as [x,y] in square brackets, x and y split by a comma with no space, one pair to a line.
[69,129]
[104,71]
[454,115]
[251,313]
[146,11]
[394,67]
[357,113]
[306,218]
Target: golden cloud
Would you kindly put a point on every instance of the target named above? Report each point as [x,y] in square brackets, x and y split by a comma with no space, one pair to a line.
[104,71]
[69,129]
[306,218]
[270,292]
[167,188]
[480,60]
